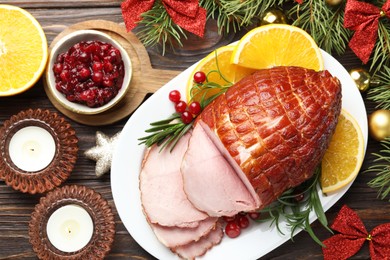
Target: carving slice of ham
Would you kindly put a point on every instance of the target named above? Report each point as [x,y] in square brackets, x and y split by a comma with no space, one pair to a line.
[161,185]
[270,130]
[174,220]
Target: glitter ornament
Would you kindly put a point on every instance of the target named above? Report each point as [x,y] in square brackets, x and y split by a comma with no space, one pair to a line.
[353,234]
[379,124]
[333,2]
[273,16]
[102,152]
[361,78]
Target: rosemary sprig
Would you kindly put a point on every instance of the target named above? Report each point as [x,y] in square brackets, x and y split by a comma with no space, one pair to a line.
[296,213]
[382,170]
[166,132]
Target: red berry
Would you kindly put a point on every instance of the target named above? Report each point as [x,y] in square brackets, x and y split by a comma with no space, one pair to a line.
[180,106]
[299,197]
[232,229]
[174,96]
[229,219]
[254,215]
[97,76]
[194,108]
[186,117]
[199,77]
[242,221]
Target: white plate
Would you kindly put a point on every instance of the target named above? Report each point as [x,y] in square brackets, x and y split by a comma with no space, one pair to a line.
[252,243]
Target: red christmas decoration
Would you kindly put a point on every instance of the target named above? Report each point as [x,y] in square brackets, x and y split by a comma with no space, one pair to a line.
[363,18]
[352,236]
[185,13]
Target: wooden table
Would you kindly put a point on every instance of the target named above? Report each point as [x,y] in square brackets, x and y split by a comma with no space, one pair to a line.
[15,207]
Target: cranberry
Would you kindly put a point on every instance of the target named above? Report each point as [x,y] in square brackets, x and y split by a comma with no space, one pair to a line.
[232,229]
[194,108]
[254,215]
[85,73]
[97,76]
[174,96]
[242,221]
[90,73]
[180,106]
[199,77]
[229,218]
[186,117]
[299,197]
[97,66]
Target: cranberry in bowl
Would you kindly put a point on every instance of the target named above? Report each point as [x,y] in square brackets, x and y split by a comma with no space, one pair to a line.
[88,72]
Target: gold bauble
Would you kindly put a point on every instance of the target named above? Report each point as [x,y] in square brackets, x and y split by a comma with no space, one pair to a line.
[333,2]
[273,16]
[379,124]
[361,78]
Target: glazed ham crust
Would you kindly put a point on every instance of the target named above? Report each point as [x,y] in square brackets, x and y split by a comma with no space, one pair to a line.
[276,125]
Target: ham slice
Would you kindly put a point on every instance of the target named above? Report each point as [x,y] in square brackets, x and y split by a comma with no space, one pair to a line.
[272,128]
[199,248]
[161,185]
[173,237]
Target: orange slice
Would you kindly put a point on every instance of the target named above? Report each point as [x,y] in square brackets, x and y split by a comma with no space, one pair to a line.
[23,50]
[277,45]
[216,60]
[344,157]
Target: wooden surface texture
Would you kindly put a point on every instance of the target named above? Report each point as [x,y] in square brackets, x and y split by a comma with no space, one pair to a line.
[16,208]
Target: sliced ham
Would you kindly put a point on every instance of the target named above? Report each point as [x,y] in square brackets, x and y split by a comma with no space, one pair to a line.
[272,128]
[199,248]
[213,185]
[173,237]
[161,185]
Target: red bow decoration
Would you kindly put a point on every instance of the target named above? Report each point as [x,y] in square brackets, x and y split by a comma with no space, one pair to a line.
[185,13]
[363,18]
[352,237]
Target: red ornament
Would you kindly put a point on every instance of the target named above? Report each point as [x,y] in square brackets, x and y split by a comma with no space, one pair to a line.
[299,1]
[363,18]
[185,13]
[352,236]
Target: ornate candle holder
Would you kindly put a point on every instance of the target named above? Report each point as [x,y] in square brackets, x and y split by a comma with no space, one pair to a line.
[38,151]
[94,205]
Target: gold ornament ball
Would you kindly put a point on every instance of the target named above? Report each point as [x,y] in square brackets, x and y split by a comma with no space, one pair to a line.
[273,16]
[333,2]
[379,124]
[361,78]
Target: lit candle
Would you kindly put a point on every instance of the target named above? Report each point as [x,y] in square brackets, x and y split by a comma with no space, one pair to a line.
[69,228]
[32,148]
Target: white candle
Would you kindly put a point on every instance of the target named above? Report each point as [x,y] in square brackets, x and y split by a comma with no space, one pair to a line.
[32,148]
[69,228]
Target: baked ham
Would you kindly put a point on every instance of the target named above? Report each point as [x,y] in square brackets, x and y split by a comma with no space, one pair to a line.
[266,134]
[271,129]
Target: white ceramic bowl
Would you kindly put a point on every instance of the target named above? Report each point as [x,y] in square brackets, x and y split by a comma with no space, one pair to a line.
[62,46]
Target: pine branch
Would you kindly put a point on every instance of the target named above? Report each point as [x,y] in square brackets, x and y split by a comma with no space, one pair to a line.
[381,52]
[382,170]
[296,213]
[381,93]
[157,27]
[324,23]
[232,15]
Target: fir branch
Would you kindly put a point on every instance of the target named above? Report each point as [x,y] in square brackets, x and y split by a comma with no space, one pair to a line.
[157,26]
[232,15]
[324,23]
[382,170]
[166,132]
[381,52]
[296,213]
[380,93]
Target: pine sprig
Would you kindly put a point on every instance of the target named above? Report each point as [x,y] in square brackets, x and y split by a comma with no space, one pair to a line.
[166,132]
[157,27]
[380,93]
[296,213]
[382,170]
[324,23]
